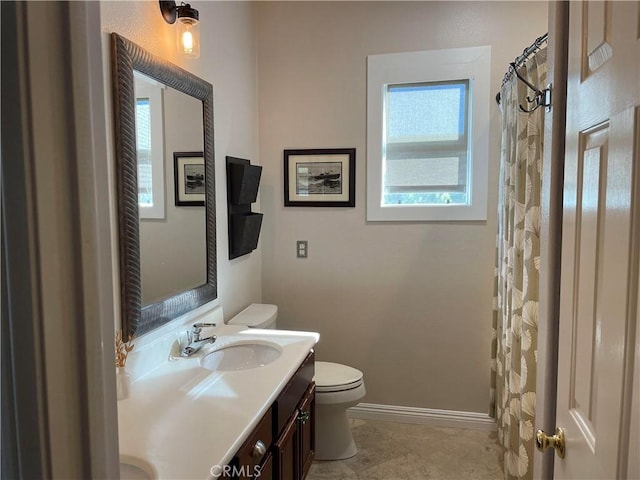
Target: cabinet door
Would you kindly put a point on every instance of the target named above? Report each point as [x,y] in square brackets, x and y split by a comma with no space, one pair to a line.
[253,452]
[289,399]
[265,470]
[306,426]
[287,452]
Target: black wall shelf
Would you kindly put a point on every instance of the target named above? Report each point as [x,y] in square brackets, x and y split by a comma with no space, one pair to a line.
[243,180]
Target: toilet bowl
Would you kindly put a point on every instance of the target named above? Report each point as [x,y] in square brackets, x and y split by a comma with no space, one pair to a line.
[338,387]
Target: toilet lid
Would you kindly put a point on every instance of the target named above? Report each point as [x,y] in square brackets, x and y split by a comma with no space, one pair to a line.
[335,376]
[256,315]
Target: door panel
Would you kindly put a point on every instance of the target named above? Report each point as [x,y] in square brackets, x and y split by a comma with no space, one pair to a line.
[599,266]
[596,20]
[597,251]
[591,177]
[307,430]
[286,449]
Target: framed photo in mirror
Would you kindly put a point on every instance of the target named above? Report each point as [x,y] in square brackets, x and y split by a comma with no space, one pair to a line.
[189,178]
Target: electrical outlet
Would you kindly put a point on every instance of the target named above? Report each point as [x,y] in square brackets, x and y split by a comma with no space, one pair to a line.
[302,248]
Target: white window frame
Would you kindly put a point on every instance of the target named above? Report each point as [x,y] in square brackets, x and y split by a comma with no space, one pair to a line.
[474,64]
[148,88]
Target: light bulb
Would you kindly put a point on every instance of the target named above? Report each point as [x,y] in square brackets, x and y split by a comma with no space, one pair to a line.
[187,42]
[189,37]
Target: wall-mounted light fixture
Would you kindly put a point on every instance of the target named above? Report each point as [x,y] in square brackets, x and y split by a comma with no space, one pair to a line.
[188,31]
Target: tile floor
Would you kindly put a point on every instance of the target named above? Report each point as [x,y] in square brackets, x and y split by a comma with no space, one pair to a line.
[397,451]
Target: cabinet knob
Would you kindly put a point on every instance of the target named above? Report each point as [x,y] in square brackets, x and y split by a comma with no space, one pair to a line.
[259,449]
[303,417]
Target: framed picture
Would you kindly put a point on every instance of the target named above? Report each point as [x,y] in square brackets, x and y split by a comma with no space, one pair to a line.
[189,179]
[320,177]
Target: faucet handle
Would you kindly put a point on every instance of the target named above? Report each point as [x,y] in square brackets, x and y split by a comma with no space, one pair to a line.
[197,328]
[203,325]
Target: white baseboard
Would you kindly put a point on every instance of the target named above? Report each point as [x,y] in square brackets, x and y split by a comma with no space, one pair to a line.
[422,416]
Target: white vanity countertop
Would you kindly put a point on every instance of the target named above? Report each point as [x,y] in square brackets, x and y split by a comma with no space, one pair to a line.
[183,419]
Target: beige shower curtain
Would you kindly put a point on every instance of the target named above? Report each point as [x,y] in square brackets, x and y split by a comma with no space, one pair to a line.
[515,315]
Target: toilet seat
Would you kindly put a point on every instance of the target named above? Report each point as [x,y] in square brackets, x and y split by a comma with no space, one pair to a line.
[335,377]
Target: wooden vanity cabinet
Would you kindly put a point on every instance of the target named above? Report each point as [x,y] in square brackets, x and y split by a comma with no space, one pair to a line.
[254,459]
[306,429]
[286,431]
[295,448]
[294,416]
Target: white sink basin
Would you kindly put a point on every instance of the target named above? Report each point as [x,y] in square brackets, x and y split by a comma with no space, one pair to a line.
[135,469]
[241,356]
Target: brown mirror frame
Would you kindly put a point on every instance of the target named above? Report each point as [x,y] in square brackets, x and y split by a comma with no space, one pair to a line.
[126,57]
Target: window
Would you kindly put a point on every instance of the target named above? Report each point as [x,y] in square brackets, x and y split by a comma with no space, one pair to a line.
[427,132]
[426,143]
[143,146]
[149,146]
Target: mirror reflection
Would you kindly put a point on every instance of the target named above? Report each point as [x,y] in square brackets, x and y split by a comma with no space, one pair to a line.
[171,187]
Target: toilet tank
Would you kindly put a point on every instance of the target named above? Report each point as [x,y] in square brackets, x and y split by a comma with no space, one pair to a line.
[257,315]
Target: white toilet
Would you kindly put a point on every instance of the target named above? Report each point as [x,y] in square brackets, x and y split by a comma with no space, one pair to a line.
[338,387]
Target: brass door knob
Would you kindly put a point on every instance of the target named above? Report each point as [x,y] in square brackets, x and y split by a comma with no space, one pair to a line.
[557,441]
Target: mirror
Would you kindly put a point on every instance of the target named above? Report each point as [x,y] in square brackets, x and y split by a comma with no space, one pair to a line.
[169,140]
[166,187]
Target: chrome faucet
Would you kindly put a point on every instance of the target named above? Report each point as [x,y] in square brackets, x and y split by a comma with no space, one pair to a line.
[195,342]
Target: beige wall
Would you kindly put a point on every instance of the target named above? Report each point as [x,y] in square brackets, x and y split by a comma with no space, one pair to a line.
[228,61]
[408,303]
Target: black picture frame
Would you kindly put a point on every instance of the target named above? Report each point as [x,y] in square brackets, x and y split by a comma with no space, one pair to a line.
[320,177]
[189,179]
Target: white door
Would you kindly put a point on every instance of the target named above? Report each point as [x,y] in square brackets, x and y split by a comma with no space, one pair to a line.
[601,227]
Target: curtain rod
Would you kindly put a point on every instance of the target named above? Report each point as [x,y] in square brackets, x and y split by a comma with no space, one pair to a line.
[526,53]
